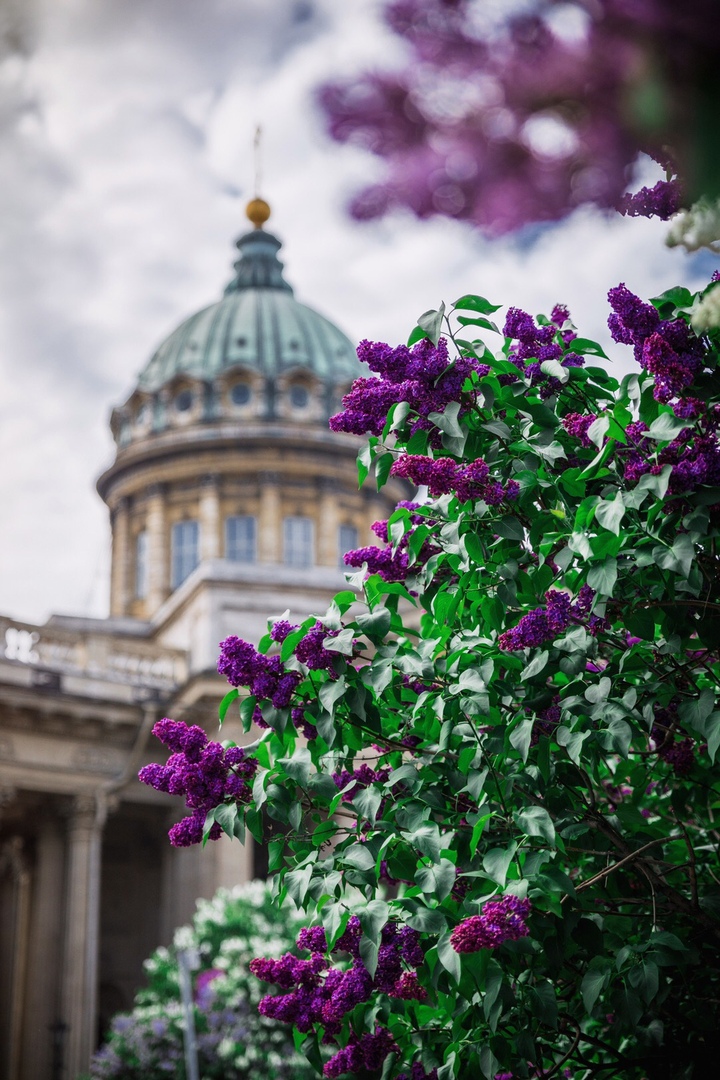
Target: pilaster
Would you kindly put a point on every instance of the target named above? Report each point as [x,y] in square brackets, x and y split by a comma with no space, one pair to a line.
[120,575]
[44,957]
[269,524]
[209,518]
[82,919]
[156,527]
[327,525]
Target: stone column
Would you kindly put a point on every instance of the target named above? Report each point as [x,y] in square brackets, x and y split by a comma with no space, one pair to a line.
[209,517]
[120,595]
[269,525]
[82,919]
[15,877]
[156,528]
[327,525]
[46,921]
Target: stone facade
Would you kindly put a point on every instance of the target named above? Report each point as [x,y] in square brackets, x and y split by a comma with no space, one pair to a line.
[225,510]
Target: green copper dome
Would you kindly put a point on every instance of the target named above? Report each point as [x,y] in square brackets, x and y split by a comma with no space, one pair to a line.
[257,324]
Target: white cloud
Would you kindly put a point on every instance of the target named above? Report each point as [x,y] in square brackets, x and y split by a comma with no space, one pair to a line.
[126,159]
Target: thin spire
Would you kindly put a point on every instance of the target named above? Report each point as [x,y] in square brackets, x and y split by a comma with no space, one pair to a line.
[257,161]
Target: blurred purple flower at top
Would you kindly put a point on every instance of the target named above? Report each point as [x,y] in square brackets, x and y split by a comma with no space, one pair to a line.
[507,125]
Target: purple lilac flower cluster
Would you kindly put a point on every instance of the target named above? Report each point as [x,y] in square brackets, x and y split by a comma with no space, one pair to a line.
[577,426]
[360,778]
[693,455]
[421,376]
[443,475]
[499,921]
[204,772]
[536,344]
[662,200]
[391,565]
[678,753]
[417,1072]
[281,629]
[666,348]
[311,650]
[320,994]
[265,676]
[365,1054]
[544,624]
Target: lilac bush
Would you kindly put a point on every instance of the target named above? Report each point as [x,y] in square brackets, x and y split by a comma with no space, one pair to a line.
[493,784]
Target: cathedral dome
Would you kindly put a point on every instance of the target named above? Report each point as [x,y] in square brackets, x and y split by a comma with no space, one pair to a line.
[258,324]
[257,355]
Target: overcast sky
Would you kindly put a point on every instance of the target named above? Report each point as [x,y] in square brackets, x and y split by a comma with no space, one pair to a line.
[126,160]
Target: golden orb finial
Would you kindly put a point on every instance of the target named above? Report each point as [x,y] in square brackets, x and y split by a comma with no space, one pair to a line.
[257,211]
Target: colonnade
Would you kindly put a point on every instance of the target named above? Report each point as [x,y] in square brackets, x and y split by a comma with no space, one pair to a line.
[51,911]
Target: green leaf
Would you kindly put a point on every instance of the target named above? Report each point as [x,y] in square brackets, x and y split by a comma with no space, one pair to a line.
[489,1064]
[470,302]
[496,863]
[431,323]
[298,766]
[521,735]
[343,643]
[373,918]
[447,956]
[602,578]
[712,734]
[247,708]
[543,1003]
[536,665]
[594,981]
[297,882]
[696,712]
[367,802]
[334,918]
[330,693]
[535,821]
[359,857]
[447,1070]
[609,513]
[586,347]
[644,978]
[227,702]
[437,880]
[447,420]
[509,528]
[226,816]
[428,921]
[598,430]
[375,624]
[665,428]
[555,369]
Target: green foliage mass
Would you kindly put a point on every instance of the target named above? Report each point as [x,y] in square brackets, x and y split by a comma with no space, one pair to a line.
[234,1041]
[576,770]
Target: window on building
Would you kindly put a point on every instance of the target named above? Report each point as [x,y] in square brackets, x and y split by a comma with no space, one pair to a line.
[298,541]
[240,393]
[241,539]
[299,396]
[185,550]
[347,541]
[184,400]
[141,566]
